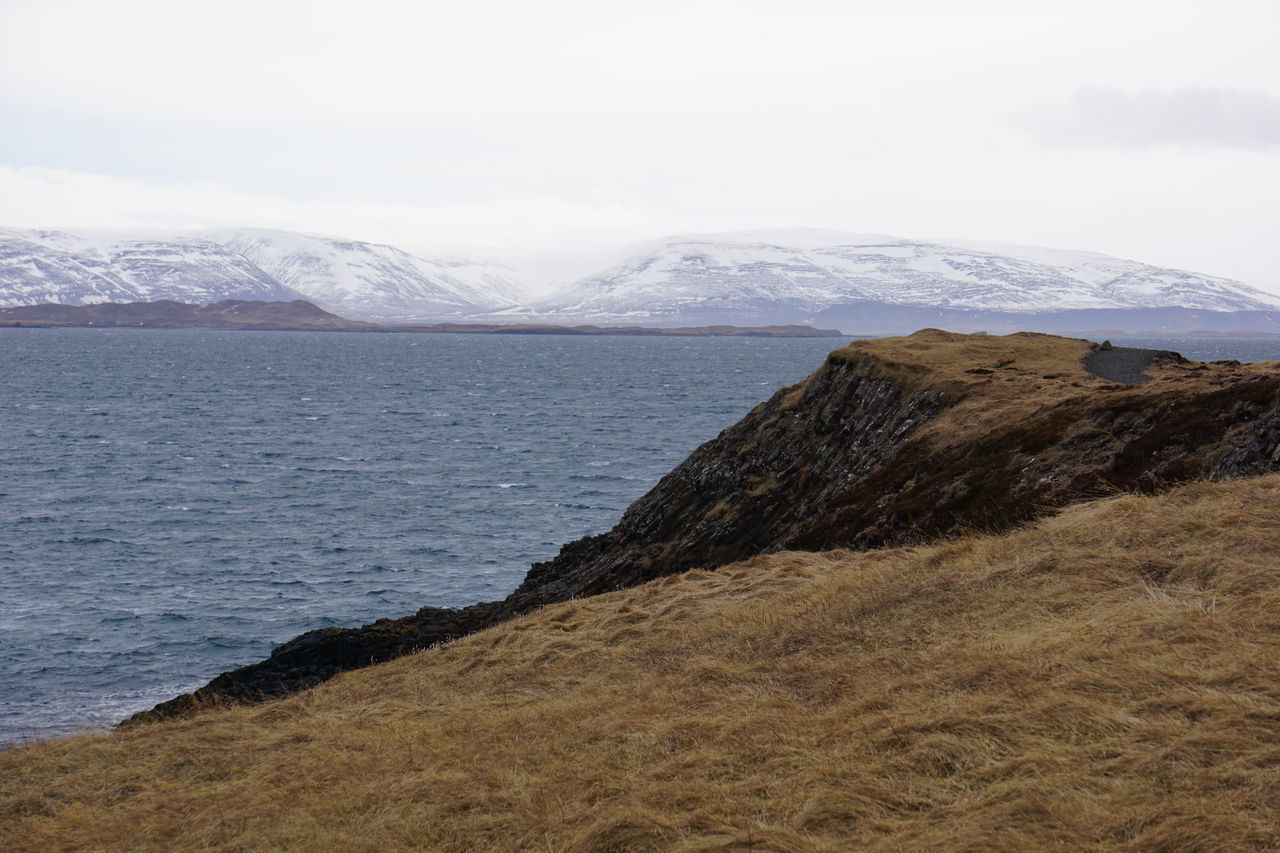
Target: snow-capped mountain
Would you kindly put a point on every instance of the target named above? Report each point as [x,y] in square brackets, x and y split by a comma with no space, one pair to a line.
[347,277]
[88,267]
[857,283]
[376,281]
[795,275]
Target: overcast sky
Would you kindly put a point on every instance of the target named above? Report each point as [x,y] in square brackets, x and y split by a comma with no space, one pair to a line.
[1148,130]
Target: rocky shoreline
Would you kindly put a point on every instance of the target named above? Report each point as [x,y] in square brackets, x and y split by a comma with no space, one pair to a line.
[889,442]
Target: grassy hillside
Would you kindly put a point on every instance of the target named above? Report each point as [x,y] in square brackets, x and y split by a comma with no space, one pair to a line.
[1106,679]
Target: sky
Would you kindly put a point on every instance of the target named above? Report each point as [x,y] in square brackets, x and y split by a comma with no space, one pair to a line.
[1146,130]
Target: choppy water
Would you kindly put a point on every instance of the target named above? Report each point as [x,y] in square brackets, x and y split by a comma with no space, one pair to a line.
[174,503]
[1211,349]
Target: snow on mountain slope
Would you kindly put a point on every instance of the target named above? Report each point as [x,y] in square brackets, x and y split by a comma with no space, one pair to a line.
[1137,282]
[344,276]
[375,281]
[785,276]
[744,278]
[684,274]
[86,267]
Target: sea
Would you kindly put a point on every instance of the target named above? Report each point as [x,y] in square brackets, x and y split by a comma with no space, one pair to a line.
[175,503]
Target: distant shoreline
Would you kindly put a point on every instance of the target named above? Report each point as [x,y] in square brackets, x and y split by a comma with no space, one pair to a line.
[302,316]
[789,331]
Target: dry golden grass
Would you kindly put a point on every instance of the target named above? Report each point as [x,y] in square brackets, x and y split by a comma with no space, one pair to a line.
[1107,679]
[1027,373]
[950,354]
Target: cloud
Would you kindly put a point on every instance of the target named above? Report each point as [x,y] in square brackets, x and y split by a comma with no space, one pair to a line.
[61,198]
[395,60]
[1103,116]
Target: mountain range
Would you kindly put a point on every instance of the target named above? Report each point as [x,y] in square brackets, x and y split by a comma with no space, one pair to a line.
[857,283]
[876,283]
[349,277]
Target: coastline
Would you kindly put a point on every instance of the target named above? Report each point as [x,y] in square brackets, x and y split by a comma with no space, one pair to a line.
[299,315]
[891,441]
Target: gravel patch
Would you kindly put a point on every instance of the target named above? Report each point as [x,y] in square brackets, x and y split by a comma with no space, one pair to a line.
[1126,364]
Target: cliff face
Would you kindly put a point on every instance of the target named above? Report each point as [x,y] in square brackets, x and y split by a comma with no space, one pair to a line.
[874,451]
[750,489]
[890,441]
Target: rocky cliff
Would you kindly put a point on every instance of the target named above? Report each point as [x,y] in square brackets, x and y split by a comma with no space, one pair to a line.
[890,441]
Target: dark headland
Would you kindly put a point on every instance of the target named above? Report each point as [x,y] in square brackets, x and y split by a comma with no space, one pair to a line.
[298,315]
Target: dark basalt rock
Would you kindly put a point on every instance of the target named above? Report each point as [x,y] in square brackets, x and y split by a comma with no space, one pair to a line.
[841,460]
[317,656]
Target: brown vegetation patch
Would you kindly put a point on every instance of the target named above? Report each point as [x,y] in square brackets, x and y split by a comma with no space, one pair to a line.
[1107,679]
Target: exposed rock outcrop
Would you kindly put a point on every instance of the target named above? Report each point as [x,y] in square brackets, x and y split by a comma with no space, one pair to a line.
[889,442]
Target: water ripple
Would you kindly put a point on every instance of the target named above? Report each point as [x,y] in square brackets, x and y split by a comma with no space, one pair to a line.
[176,502]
